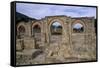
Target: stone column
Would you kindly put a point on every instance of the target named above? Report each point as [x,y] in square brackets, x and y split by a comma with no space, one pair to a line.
[28,29]
[65,38]
[47,32]
[42,33]
[70,31]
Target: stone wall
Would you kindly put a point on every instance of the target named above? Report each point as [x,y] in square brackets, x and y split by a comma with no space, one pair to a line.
[76,45]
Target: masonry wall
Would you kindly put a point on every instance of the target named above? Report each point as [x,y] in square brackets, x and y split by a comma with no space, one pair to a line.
[80,45]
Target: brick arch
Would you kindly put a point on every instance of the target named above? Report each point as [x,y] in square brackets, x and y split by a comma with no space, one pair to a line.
[35,24]
[80,22]
[62,25]
[21,24]
[21,27]
[56,20]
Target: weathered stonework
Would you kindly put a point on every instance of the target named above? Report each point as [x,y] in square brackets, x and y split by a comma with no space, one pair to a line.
[78,46]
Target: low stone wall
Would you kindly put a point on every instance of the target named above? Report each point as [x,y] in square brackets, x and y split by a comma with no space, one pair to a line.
[26,43]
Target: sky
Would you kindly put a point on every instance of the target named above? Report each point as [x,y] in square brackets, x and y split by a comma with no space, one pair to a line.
[77,25]
[56,24]
[39,11]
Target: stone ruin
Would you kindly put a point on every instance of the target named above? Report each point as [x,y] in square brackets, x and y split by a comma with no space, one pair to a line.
[35,43]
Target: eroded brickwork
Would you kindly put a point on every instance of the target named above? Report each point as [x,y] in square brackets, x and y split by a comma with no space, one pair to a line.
[41,47]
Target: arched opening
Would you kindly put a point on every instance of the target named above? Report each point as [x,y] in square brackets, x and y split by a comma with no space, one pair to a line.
[56,28]
[78,34]
[37,35]
[78,28]
[36,29]
[56,32]
[21,31]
